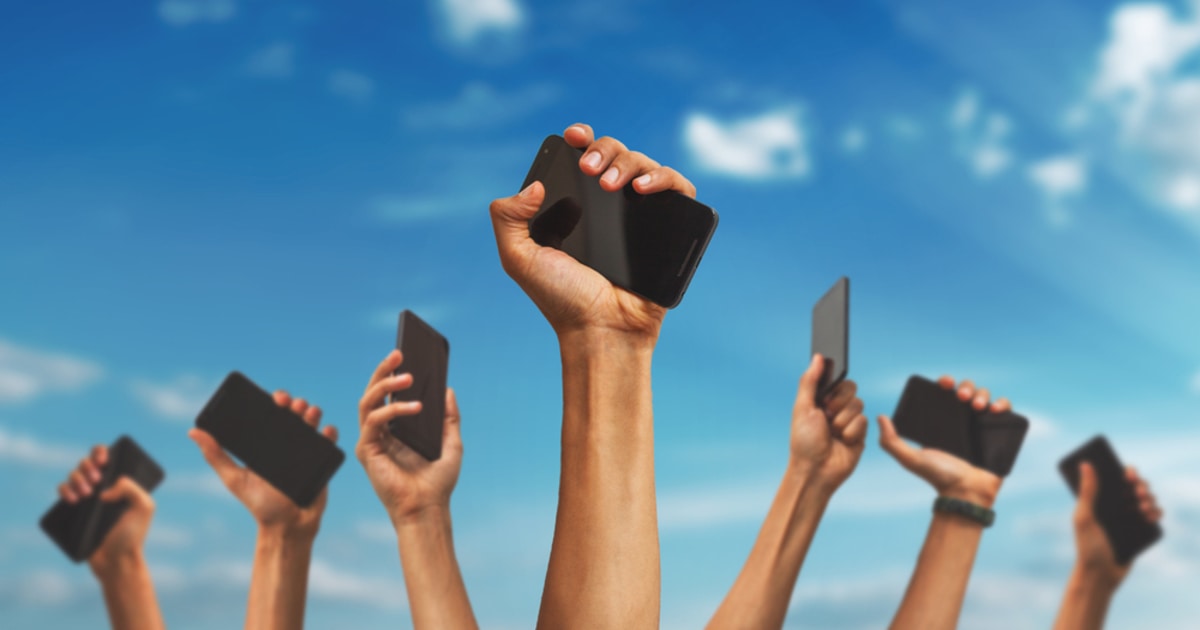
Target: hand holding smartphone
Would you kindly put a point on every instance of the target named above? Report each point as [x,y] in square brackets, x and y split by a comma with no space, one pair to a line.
[427,357]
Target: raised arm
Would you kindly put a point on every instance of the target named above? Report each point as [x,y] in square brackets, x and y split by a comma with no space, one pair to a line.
[416,493]
[286,532]
[935,593]
[118,563]
[1096,575]
[604,560]
[827,442]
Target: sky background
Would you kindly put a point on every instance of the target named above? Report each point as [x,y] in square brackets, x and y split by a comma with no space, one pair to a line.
[189,187]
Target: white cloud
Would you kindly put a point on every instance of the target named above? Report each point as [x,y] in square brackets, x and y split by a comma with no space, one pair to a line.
[1059,178]
[39,588]
[469,21]
[352,86]
[981,136]
[375,531]
[1147,84]
[166,536]
[276,61]
[29,451]
[481,105]
[186,12]
[26,373]
[420,208]
[327,582]
[710,506]
[773,145]
[854,139]
[181,399]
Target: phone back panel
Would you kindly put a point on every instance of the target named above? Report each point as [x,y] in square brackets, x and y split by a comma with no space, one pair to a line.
[79,529]
[427,357]
[1116,505]
[831,335]
[934,417]
[997,440]
[647,244]
[272,441]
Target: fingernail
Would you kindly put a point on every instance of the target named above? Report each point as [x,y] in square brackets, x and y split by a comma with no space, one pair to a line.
[524,193]
[578,128]
[610,175]
[980,402]
[592,159]
[644,180]
[964,392]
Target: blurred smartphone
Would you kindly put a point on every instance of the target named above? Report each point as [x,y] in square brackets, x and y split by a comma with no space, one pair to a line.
[79,529]
[647,244]
[934,417]
[274,442]
[427,358]
[831,335]
[1116,506]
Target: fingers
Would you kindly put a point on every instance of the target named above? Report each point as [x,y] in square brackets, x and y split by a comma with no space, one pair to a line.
[216,457]
[82,487]
[126,489]
[809,381]
[981,399]
[895,445]
[946,381]
[1001,406]
[100,455]
[90,471]
[386,367]
[846,415]
[452,434]
[855,432]
[600,155]
[625,166]
[664,178]
[841,396]
[1147,502]
[579,135]
[373,398]
[378,418]
[966,390]
[330,432]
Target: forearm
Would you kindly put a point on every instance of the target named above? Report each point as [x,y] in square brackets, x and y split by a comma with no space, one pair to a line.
[760,596]
[129,593]
[279,580]
[437,596]
[604,561]
[1085,603]
[935,593]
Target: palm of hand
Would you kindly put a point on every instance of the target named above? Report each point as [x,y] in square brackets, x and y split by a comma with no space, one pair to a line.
[813,441]
[946,472]
[408,482]
[1093,548]
[572,295]
[126,536]
[269,506]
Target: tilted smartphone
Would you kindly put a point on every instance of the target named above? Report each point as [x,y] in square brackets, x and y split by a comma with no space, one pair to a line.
[270,440]
[427,357]
[831,335]
[1116,506]
[934,417]
[80,528]
[647,244]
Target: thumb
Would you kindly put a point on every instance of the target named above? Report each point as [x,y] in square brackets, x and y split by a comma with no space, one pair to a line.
[520,207]
[452,435]
[216,457]
[810,380]
[1089,487]
[126,489]
[510,220]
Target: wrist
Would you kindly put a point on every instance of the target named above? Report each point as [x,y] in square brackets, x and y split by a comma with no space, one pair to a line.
[807,479]
[106,566]
[977,494]
[1092,579]
[287,534]
[432,514]
[591,339]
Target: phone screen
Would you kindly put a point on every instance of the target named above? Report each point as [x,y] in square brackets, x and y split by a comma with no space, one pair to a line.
[80,528]
[427,358]
[831,335]
[270,440]
[1116,507]
[647,244]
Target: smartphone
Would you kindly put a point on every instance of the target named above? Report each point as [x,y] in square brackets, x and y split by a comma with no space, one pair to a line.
[1116,506]
[934,417]
[427,358]
[647,244]
[272,441]
[80,528]
[831,335]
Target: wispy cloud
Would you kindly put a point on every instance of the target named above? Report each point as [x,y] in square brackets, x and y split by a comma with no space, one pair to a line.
[981,136]
[26,373]
[467,22]
[40,588]
[331,583]
[1059,179]
[187,12]
[772,145]
[711,506]
[481,105]
[203,482]
[180,399]
[29,451]
[854,139]
[355,87]
[276,61]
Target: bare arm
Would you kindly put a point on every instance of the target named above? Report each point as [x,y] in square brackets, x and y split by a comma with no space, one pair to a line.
[827,443]
[286,531]
[1096,575]
[938,585]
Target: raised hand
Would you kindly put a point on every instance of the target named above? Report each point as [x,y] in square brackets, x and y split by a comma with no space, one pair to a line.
[1094,553]
[128,536]
[828,438]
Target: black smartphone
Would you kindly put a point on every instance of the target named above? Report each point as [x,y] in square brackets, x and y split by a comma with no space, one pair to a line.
[934,417]
[79,529]
[831,335]
[1116,506]
[647,244]
[272,441]
[427,358]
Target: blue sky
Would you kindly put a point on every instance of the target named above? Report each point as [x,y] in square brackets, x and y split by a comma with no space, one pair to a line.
[193,186]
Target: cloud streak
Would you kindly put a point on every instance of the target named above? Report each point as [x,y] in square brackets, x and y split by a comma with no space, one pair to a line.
[772,145]
[26,374]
